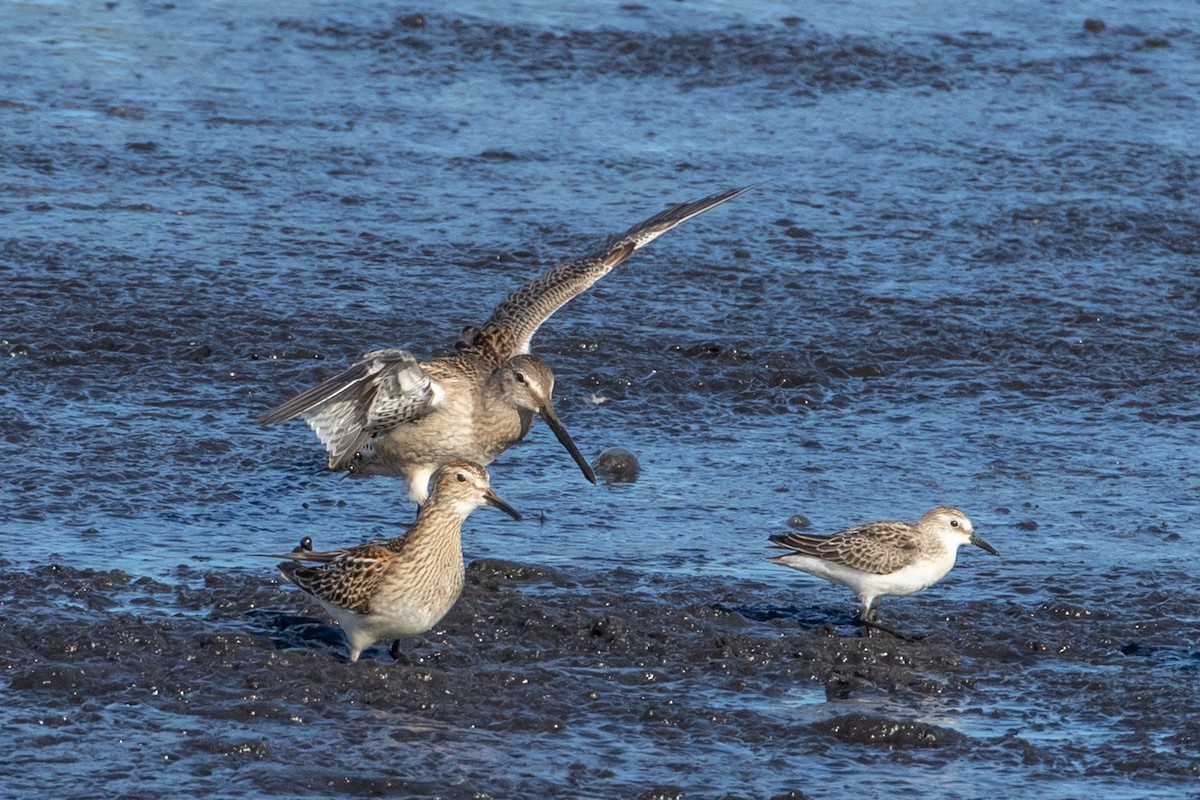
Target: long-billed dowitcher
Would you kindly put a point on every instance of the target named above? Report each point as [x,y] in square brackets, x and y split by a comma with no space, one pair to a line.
[882,559]
[402,586]
[390,414]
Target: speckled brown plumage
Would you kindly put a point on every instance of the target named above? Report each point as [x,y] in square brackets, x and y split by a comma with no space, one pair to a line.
[402,586]
[390,414]
[351,579]
[876,547]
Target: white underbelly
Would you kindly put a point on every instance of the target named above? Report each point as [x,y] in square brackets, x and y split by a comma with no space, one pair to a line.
[904,581]
[399,619]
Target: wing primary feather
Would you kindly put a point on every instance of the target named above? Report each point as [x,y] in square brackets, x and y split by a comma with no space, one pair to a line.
[369,365]
[383,389]
[528,307]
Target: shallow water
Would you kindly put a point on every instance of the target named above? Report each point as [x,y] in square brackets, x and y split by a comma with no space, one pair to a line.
[970,277]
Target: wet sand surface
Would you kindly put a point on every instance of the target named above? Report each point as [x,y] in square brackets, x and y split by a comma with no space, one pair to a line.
[969,278]
[541,683]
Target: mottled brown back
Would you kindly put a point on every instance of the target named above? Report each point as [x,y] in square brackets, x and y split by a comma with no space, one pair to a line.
[877,547]
[349,581]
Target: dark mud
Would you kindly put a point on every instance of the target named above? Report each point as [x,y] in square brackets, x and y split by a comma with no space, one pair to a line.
[969,277]
[566,683]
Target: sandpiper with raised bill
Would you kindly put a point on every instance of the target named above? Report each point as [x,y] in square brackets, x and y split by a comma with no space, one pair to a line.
[402,586]
[389,414]
[882,559]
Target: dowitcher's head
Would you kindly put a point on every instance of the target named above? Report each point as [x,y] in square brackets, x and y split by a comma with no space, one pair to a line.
[527,383]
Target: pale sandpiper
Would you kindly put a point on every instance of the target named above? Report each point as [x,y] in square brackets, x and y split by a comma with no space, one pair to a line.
[882,559]
[390,414]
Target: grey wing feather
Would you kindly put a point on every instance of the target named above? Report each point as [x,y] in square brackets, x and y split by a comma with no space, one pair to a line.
[380,391]
[871,548]
[528,307]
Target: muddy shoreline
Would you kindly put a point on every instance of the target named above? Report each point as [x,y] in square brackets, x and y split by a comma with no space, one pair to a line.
[237,679]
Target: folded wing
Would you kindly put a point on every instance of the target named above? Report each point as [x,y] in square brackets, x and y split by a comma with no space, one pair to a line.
[349,581]
[870,548]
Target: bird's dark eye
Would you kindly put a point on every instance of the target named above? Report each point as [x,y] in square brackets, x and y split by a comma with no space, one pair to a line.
[461,478]
[953,523]
[520,376]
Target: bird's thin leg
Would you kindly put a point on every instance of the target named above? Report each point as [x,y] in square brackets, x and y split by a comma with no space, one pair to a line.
[867,621]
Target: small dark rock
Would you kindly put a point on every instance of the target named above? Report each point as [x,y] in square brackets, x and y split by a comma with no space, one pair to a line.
[609,628]
[798,522]
[617,465]
[499,155]
[704,349]
[865,371]
[887,733]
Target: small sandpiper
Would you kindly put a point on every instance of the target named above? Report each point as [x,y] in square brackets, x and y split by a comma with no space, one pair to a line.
[402,586]
[879,559]
[389,414]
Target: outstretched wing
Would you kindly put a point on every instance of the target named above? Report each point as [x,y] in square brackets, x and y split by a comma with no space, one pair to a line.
[524,311]
[384,389]
[878,547]
[349,581]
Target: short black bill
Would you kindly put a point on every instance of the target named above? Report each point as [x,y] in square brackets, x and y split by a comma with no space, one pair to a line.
[982,545]
[493,499]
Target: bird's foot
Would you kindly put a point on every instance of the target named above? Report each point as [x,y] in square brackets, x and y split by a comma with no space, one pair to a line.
[870,624]
[398,655]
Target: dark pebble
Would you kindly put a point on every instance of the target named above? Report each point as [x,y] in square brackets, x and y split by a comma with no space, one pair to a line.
[888,733]
[617,465]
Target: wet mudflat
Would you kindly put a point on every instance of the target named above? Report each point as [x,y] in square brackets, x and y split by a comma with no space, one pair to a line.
[970,278]
[614,684]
